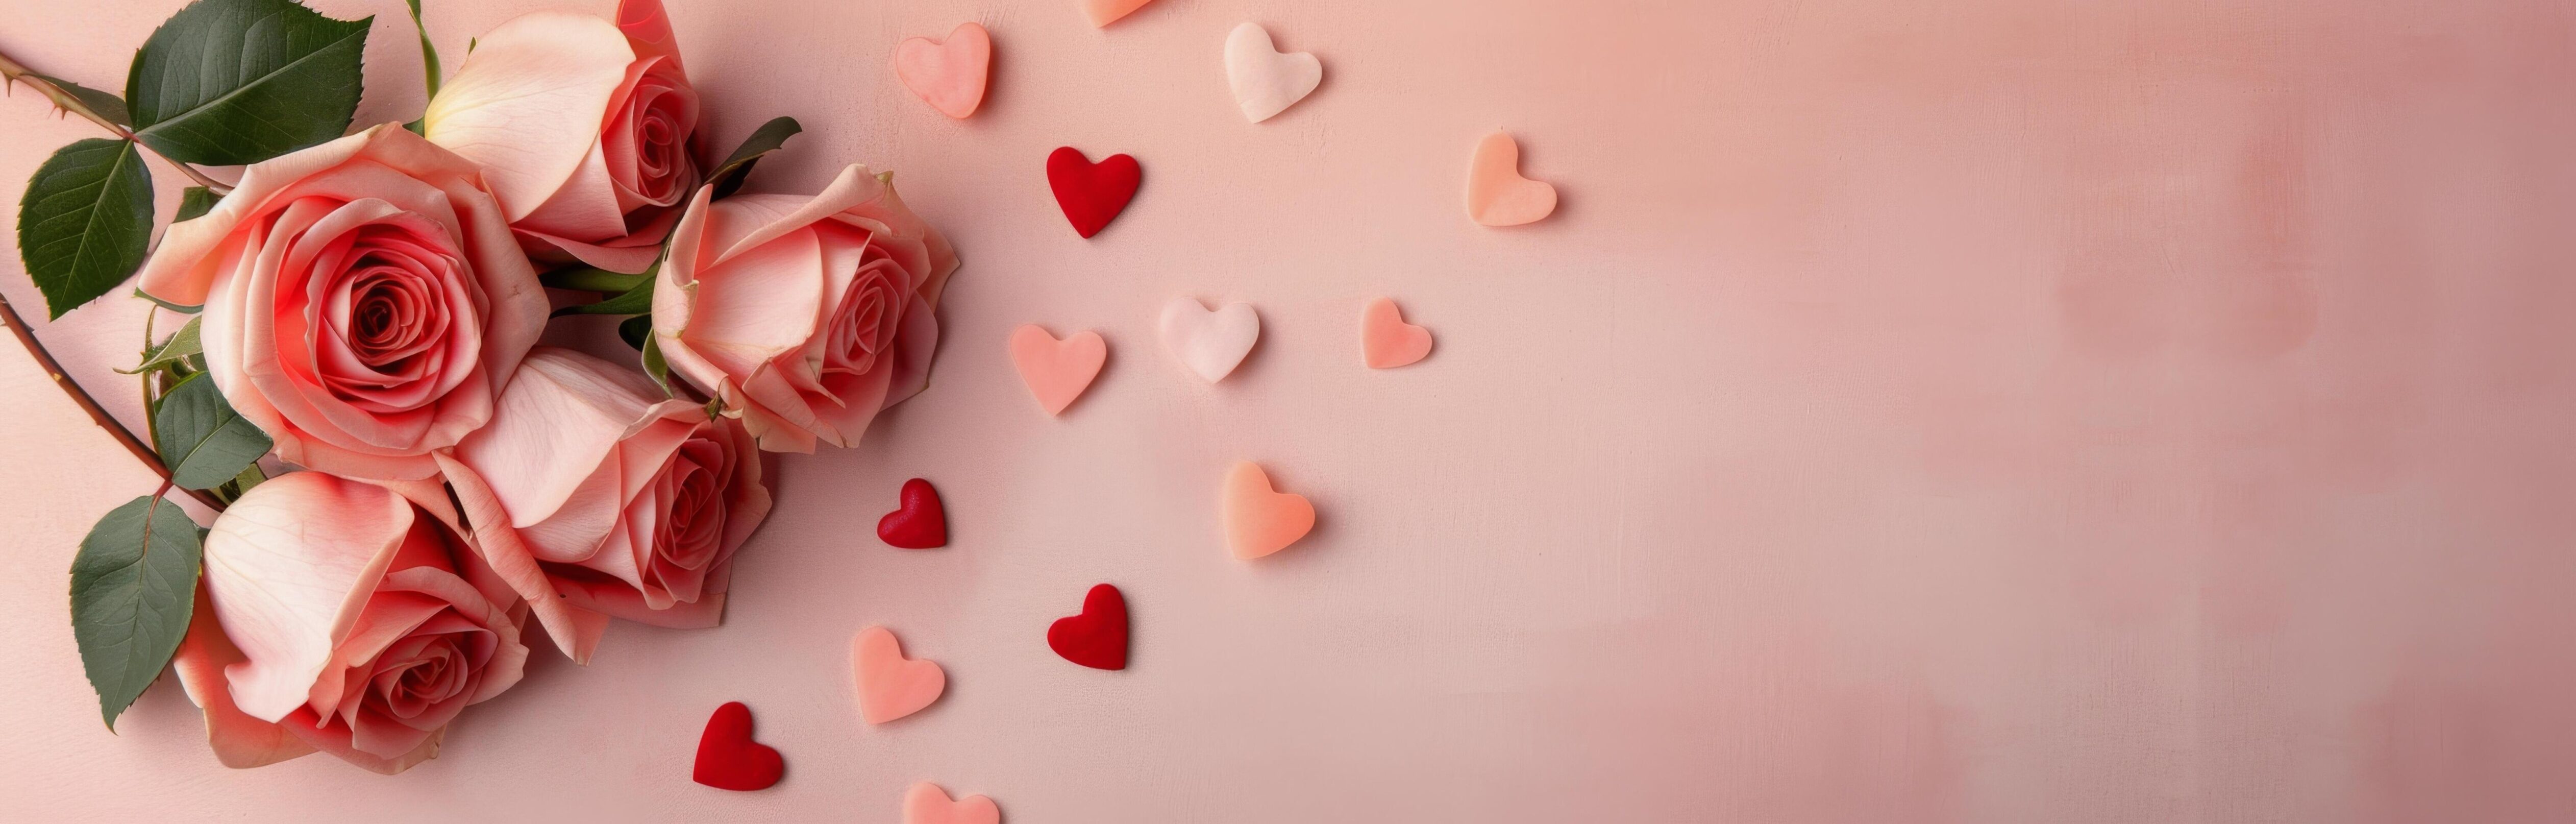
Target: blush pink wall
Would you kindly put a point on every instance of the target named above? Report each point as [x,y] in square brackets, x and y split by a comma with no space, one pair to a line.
[1983,411]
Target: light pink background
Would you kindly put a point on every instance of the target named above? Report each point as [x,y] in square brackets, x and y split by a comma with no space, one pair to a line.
[1984,411]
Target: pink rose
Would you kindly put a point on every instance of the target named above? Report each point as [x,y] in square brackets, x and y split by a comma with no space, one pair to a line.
[597,495]
[347,617]
[804,315]
[583,129]
[364,301]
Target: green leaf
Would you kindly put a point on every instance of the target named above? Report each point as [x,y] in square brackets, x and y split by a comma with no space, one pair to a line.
[100,103]
[133,585]
[587,279]
[175,349]
[657,368]
[201,438]
[184,310]
[84,221]
[635,329]
[195,202]
[250,476]
[228,82]
[428,53]
[728,175]
[636,301]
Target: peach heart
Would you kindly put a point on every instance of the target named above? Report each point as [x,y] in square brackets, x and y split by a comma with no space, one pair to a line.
[1265,81]
[1497,194]
[890,685]
[1386,341]
[926,803]
[1105,12]
[1259,521]
[1057,371]
[1209,343]
[949,74]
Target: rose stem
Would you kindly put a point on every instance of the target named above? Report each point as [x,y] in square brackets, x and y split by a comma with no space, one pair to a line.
[12,72]
[54,369]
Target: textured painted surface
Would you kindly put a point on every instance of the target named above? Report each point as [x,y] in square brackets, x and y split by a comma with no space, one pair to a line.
[1988,411]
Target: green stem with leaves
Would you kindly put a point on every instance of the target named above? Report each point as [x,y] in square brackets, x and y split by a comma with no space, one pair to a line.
[54,370]
[11,71]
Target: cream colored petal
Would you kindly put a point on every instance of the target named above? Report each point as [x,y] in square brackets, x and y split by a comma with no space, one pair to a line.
[528,101]
[287,567]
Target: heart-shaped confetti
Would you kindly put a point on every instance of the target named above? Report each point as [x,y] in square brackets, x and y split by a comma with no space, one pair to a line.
[1105,12]
[890,685]
[1497,194]
[949,74]
[926,803]
[1091,194]
[1057,371]
[1259,520]
[1386,341]
[1209,343]
[1265,81]
[1097,638]
[919,522]
[727,757]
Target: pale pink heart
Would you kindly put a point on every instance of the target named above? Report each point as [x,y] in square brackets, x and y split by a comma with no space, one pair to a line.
[926,803]
[1386,341]
[890,685]
[1497,194]
[1209,343]
[1266,82]
[1057,371]
[949,74]
[1105,12]
[1260,520]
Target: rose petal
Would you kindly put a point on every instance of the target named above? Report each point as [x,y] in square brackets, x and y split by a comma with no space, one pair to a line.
[648,29]
[575,630]
[287,568]
[584,205]
[527,102]
[562,416]
[335,739]
[239,741]
[632,253]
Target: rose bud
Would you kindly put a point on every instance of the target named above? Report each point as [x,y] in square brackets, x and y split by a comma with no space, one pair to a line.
[596,495]
[804,315]
[584,128]
[347,617]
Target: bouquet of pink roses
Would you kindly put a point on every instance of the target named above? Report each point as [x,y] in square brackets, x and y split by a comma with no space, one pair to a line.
[401,476]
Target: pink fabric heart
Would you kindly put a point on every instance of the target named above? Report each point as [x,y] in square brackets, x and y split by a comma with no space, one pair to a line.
[1266,82]
[1386,341]
[1258,519]
[926,803]
[1057,371]
[1105,12]
[949,74]
[1209,343]
[890,685]
[1497,194]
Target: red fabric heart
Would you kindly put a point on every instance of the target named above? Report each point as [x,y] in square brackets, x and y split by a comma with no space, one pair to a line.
[1091,193]
[1098,637]
[919,523]
[727,757]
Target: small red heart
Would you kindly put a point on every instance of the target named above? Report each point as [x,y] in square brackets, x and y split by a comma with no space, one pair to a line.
[1090,193]
[920,523]
[727,757]
[1098,637]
